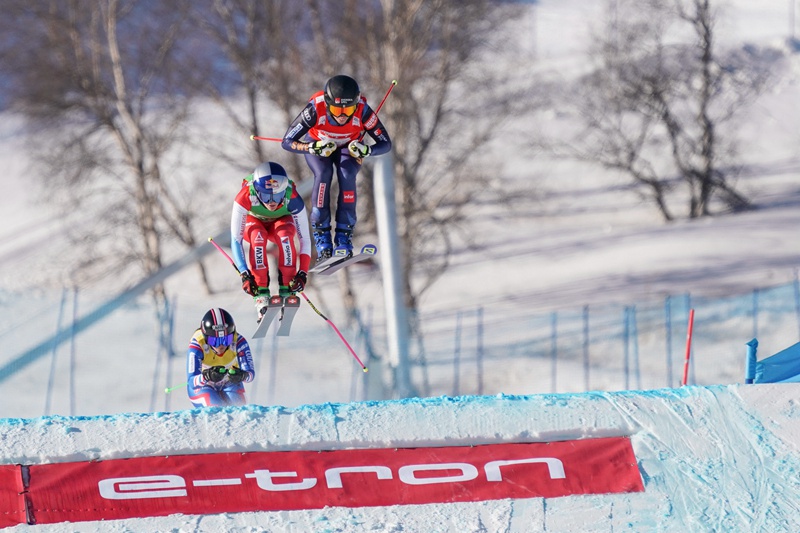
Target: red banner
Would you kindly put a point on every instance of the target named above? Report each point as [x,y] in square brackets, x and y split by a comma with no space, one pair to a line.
[12,496]
[273,481]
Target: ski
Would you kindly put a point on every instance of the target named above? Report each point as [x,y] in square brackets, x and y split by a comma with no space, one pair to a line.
[339,255]
[275,307]
[290,306]
[367,251]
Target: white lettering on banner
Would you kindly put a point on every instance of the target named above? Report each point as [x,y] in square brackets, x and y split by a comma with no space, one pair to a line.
[258,251]
[407,473]
[136,488]
[264,480]
[333,476]
[170,486]
[216,482]
[554,467]
[286,244]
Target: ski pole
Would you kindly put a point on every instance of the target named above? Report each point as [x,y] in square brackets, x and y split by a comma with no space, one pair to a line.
[223,252]
[377,109]
[170,389]
[257,138]
[339,333]
[385,96]
[688,347]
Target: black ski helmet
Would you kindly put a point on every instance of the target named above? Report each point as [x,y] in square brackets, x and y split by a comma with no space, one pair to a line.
[217,322]
[342,90]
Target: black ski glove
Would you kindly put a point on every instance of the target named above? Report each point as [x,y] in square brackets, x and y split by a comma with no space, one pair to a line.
[298,284]
[236,375]
[215,374]
[249,284]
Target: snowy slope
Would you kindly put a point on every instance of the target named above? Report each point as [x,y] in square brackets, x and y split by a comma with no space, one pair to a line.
[722,458]
[711,459]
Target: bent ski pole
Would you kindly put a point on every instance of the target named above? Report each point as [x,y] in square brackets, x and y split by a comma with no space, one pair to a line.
[339,333]
[257,138]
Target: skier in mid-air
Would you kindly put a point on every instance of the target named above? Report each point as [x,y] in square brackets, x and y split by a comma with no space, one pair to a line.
[329,130]
[269,209]
[218,363]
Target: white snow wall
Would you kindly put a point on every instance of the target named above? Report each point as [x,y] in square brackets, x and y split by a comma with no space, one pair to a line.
[721,458]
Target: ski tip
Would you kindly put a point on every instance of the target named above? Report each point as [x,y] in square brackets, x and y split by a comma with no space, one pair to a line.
[252,137]
[365,369]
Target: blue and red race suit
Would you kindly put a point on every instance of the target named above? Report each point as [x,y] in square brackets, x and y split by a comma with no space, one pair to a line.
[204,393]
[315,123]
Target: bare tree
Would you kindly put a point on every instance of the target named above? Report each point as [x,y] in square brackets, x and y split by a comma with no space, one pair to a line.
[262,45]
[101,83]
[657,102]
[431,48]
[283,51]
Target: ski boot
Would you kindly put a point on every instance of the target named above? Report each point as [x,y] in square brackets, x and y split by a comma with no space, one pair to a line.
[283,290]
[322,241]
[262,302]
[343,244]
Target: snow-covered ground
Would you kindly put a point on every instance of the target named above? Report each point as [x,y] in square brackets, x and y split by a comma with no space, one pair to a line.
[722,458]
[592,242]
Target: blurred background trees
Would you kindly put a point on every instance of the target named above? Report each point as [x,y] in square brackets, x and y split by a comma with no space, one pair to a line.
[660,104]
[122,97]
[111,89]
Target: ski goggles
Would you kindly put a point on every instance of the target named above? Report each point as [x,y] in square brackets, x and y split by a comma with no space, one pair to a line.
[339,110]
[220,341]
[270,197]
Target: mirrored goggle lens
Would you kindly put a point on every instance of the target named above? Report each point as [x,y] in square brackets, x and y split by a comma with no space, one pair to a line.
[220,341]
[337,110]
[267,197]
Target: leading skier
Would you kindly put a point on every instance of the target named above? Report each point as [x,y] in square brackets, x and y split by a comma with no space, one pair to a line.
[329,131]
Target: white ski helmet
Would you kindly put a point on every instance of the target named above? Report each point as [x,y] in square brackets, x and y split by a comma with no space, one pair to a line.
[270,182]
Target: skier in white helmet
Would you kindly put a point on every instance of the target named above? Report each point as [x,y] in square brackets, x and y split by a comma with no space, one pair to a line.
[269,209]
